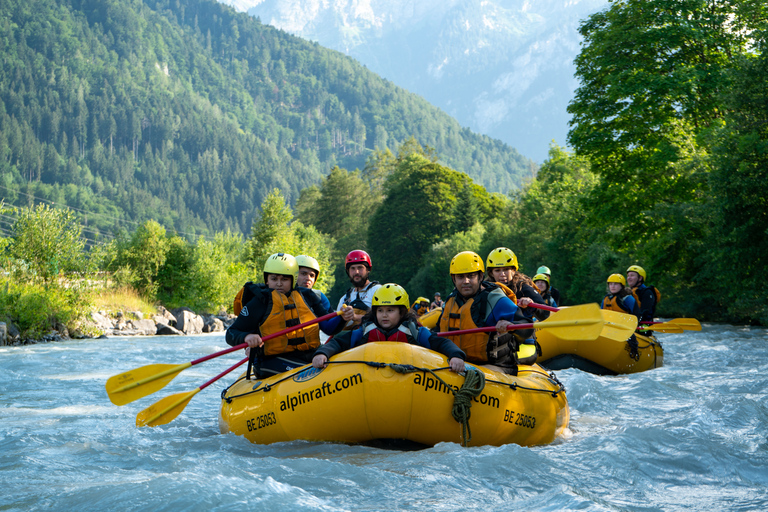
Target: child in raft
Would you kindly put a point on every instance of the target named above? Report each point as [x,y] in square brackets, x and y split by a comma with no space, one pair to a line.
[620,298]
[390,320]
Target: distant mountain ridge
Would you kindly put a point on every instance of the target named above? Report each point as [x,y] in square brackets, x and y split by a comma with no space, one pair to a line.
[189,113]
[502,68]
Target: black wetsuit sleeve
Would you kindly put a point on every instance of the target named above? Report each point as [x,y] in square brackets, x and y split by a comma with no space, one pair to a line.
[531,293]
[338,343]
[647,303]
[446,347]
[248,321]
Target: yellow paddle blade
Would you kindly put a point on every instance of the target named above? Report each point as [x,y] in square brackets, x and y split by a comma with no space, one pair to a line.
[126,387]
[686,324]
[667,327]
[583,322]
[618,326]
[165,410]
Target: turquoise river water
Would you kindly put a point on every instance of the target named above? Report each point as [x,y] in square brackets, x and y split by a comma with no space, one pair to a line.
[689,436]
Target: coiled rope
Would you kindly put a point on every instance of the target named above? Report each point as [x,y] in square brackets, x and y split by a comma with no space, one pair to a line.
[474,382]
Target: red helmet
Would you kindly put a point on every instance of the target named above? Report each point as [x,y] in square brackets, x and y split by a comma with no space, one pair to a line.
[356,257]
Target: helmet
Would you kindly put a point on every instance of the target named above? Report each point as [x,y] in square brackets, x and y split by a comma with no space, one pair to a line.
[636,268]
[437,294]
[502,257]
[282,263]
[422,299]
[466,262]
[544,270]
[390,294]
[541,277]
[356,257]
[309,262]
[617,278]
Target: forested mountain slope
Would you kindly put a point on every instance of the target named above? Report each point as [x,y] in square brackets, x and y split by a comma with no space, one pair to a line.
[188,112]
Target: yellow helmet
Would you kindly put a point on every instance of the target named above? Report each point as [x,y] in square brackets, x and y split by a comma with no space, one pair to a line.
[282,263]
[617,278]
[637,268]
[541,277]
[466,262]
[309,262]
[390,294]
[502,257]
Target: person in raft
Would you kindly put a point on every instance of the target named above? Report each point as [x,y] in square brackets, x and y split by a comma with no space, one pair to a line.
[358,267]
[542,283]
[647,296]
[620,297]
[309,272]
[420,306]
[437,303]
[273,306]
[390,320]
[502,270]
[552,291]
[476,303]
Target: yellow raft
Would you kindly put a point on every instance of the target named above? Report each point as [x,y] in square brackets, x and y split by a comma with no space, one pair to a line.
[362,396]
[603,356]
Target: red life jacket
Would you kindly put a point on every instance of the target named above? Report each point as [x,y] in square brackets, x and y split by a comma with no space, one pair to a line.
[402,334]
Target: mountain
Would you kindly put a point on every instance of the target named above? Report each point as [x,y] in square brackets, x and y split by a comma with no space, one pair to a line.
[189,112]
[503,68]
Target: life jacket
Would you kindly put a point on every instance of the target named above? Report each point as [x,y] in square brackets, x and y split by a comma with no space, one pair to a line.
[287,311]
[456,318]
[655,292]
[407,332]
[359,305]
[616,303]
[507,291]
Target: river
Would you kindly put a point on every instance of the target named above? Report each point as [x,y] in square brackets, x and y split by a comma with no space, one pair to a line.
[689,436]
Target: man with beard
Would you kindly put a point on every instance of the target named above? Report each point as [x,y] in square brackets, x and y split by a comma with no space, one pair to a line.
[478,303]
[358,266]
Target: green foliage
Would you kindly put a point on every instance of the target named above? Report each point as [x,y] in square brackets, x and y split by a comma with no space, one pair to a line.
[143,255]
[46,241]
[36,309]
[189,113]
[275,231]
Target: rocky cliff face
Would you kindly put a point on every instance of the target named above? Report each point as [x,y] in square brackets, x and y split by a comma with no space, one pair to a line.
[502,68]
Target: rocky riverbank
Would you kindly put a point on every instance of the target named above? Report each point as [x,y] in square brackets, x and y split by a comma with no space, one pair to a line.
[180,321]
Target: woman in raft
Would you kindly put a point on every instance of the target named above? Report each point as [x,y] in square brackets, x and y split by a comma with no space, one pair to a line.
[502,268]
[620,297]
[390,320]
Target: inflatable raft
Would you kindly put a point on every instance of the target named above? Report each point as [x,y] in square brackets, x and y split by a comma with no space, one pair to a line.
[385,391]
[604,356]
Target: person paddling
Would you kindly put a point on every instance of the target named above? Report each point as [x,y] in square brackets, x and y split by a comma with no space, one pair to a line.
[477,303]
[390,320]
[271,307]
[503,270]
[358,266]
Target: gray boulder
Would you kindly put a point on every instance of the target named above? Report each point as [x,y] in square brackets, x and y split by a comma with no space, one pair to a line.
[189,323]
[3,334]
[102,322]
[145,327]
[166,330]
[213,324]
[170,318]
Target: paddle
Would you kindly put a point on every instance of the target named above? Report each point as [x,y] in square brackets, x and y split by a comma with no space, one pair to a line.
[126,387]
[165,410]
[686,324]
[618,326]
[574,323]
[662,327]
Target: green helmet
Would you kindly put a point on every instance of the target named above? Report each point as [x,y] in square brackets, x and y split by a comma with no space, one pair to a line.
[544,270]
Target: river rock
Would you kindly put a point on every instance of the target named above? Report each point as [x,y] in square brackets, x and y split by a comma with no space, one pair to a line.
[165,330]
[170,319]
[102,322]
[145,327]
[213,324]
[189,322]
[3,334]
